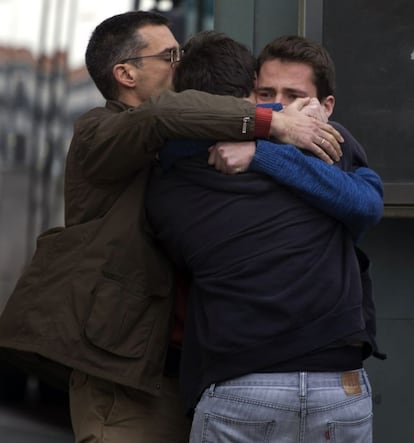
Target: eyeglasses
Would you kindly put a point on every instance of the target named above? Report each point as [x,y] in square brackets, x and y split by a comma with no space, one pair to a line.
[171,56]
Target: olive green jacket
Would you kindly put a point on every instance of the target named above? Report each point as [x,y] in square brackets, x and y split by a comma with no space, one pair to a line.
[98,295]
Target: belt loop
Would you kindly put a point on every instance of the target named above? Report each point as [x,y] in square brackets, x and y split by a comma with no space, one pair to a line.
[211,390]
[366,381]
[302,384]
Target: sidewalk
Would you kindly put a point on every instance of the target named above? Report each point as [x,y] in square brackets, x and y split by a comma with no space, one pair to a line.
[18,427]
[35,419]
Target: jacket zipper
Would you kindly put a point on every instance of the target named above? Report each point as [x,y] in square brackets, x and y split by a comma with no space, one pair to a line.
[244,127]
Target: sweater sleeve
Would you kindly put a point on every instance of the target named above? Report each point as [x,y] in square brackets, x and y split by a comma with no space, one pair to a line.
[355,198]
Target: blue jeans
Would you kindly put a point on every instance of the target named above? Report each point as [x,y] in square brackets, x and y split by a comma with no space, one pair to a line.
[294,407]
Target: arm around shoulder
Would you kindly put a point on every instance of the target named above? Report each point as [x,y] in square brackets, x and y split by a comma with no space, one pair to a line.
[115,141]
[355,198]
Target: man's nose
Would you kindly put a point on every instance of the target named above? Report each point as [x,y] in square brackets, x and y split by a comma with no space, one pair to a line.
[281,98]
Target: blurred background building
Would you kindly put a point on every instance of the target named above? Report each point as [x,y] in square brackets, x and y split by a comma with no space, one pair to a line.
[44,87]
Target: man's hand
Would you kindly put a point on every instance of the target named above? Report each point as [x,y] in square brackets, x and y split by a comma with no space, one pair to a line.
[304,118]
[231,157]
[316,110]
[292,126]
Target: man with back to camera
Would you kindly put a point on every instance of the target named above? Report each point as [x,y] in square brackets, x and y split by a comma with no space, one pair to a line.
[276,286]
[97,299]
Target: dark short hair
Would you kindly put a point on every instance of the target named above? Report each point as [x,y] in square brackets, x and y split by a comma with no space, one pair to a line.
[116,38]
[215,63]
[292,48]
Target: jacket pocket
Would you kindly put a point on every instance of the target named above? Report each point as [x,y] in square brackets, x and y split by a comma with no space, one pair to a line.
[119,321]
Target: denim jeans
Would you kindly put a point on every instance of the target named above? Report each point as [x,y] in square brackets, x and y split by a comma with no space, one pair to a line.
[294,407]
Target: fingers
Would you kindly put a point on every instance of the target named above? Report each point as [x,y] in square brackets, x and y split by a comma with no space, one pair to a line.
[327,146]
[318,152]
[334,132]
[300,103]
[216,159]
[315,109]
[331,139]
[212,155]
[231,158]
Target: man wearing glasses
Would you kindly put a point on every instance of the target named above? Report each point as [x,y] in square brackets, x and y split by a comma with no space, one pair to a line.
[97,299]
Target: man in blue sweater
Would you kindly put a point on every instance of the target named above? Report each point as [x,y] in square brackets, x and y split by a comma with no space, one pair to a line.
[275,329]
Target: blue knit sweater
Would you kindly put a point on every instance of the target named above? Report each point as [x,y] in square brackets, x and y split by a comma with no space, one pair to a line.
[353,196]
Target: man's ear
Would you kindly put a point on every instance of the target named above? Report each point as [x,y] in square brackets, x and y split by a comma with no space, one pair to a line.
[124,75]
[328,104]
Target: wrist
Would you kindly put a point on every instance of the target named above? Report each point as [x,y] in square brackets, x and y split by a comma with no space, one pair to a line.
[278,128]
